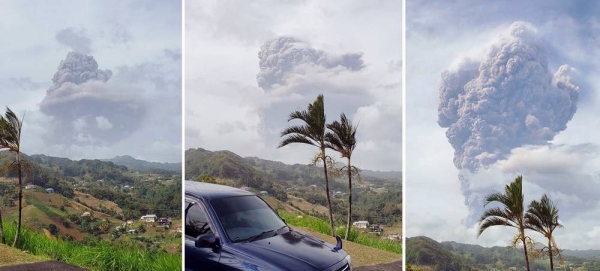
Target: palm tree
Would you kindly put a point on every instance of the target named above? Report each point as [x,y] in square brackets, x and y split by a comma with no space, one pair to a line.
[10,138]
[2,237]
[542,216]
[312,133]
[343,140]
[512,213]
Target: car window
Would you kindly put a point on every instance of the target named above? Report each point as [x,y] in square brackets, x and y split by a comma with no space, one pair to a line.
[196,221]
[243,217]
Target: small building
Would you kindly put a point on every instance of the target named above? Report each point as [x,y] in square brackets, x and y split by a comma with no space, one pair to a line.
[361,224]
[163,221]
[50,190]
[376,228]
[245,188]
[30,186]
[264,193]
[149,218]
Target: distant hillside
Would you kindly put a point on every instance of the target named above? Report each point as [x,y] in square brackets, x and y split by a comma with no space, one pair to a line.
[200,164]
[284,172]
[424,251]
[144,166]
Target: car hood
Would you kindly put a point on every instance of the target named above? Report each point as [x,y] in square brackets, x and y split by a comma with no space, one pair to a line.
[293,249]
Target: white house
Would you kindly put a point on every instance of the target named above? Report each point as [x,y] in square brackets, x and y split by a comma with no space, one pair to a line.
[361,224]
[149,218]
[30,186]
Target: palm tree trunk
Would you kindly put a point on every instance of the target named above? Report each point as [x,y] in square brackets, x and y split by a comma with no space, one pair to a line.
[525,249]
[550,254]
[20,200]
[327,189]
[349,199]
[2,237]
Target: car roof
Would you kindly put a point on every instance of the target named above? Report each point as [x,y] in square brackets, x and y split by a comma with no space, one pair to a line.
[208,191]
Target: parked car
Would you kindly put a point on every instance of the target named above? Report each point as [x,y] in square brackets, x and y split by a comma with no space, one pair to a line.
[232,229]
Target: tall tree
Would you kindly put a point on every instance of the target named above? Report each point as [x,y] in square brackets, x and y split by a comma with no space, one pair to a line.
[312,132]
[342,139]
[10,138]
[510,214]
[542,216]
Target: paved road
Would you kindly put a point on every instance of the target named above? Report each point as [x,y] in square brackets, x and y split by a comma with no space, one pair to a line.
[395,266]
[39,266]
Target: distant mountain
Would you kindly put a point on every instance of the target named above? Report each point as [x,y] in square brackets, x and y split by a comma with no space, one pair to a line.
[143,166]
[227,164]
[424,251]
[286,172]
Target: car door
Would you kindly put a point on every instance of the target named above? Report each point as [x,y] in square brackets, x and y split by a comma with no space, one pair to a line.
[196,223]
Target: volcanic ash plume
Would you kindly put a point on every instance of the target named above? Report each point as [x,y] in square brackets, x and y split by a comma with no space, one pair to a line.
[281,56]
[78,68]
[508,100]
[80,98]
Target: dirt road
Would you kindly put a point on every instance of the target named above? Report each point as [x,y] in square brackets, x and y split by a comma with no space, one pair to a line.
[47,265]
[395,266]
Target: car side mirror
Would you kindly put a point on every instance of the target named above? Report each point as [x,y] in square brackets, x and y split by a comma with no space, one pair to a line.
[284,220]
[206,240]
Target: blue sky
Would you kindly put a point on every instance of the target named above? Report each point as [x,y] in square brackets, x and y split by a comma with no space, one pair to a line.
[138,41]
[440,35]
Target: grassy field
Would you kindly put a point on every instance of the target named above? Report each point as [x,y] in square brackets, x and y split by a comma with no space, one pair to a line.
[306,206]
[99,256]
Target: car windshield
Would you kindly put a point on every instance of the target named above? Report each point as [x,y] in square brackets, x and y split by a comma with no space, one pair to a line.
[245,217]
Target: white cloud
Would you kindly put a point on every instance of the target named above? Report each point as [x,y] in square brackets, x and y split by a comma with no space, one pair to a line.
[103,123]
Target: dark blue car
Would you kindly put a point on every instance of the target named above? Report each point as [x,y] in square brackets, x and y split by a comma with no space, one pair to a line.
[232,229]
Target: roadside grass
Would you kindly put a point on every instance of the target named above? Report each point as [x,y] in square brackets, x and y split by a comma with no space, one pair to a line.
[322,226]
[98,256]
[11,256]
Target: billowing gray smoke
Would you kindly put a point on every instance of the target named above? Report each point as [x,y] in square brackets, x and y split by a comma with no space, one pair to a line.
[508,100]
[85,108]
[78,68]
[281,56]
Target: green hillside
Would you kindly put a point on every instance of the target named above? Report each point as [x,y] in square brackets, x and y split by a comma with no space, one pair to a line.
[427,254]
[144,166]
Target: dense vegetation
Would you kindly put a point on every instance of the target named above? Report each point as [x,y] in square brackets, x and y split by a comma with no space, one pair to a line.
[95,254]
[424,251]
[103,180]
[145,166]
[200,164]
